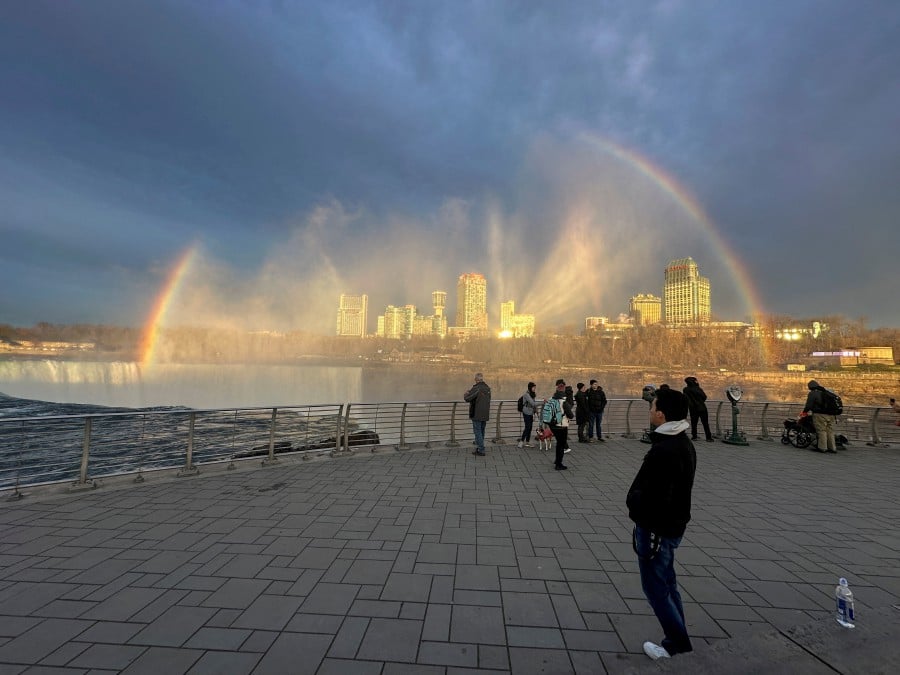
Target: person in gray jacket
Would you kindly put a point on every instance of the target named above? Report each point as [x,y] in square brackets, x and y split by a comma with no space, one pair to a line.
[479,400]
[529,403]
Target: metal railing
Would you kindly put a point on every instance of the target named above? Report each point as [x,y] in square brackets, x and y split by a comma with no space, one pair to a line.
[81,449]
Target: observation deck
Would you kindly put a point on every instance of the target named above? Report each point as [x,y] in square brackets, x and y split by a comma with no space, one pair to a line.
[432,560]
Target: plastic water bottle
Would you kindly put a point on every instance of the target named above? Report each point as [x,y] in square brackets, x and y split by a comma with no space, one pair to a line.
[844,597]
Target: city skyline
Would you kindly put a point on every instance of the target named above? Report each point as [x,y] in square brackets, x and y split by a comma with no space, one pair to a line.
[242,164]
[686,302]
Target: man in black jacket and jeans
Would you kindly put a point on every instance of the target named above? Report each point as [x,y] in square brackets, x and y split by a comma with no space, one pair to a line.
[659,503]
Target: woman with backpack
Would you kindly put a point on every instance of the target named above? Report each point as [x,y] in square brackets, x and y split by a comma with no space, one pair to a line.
[526,404]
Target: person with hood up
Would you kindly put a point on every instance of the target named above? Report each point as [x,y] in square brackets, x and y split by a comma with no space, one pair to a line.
[479,400]
[823,422]
[659,503]
[697,406]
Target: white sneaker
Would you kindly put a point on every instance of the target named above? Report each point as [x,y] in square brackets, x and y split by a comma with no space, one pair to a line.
[567,450]
[655,652]
[529,445]
[519,444]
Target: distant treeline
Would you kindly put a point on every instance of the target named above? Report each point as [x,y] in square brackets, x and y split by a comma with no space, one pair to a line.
[644,346]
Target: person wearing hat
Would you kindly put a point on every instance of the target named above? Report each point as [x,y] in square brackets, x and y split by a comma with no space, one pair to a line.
[824,423]
[697,407]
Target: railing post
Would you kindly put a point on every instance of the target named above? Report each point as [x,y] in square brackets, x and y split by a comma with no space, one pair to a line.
[189,469]
[270,458]
[83,483]
[718,420]
[764,431]
[403,445]
[876,440]
[453,443]
[497,437]
[345,434]
[628,433]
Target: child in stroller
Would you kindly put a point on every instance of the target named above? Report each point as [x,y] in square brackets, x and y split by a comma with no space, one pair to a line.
[801,433]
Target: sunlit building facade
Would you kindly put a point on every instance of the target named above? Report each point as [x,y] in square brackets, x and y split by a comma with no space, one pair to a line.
[471,303]
[686,294]
[645,309]
[515,325]
[438,320]
[352,315]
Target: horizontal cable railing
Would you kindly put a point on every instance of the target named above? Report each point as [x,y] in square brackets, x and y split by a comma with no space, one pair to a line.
[80,449]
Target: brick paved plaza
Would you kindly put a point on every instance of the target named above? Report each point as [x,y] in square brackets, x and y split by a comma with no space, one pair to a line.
[435,561]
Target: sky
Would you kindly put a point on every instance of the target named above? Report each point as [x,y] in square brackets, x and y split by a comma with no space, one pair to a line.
[566,150]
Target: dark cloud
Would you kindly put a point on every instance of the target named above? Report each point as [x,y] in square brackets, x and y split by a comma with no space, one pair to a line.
[378,140]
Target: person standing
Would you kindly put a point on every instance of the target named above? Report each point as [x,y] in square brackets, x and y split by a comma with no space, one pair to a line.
[596,405]
[697,406]
[556,414]
[529,403]
[659,503]
[582,413]
[479,400]
[823,422]
[896,408]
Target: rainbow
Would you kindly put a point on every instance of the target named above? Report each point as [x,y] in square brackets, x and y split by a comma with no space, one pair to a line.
[681,195]
[163,300]
[684,198]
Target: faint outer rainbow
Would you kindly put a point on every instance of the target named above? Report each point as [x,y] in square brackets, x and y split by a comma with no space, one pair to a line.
[163,300]
[689,203]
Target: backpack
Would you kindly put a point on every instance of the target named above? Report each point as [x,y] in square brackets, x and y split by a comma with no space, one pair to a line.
[520,404]
[832,403]
[551,412]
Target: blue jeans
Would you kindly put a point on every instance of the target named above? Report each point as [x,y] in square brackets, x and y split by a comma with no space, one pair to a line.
[661,588]
[478,427]
[529,422]
[594,419]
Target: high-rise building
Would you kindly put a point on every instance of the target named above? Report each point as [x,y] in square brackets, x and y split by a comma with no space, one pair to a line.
[471,302]
[438,320]
[353,315]
[645,309]
[686,293]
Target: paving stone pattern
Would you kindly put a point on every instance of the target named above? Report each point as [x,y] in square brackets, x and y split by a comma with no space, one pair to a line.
[436,561]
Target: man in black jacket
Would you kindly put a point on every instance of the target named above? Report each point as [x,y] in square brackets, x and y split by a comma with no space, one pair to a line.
[659,503]
[596,405]
[581,412]
[822,421]
[697,406]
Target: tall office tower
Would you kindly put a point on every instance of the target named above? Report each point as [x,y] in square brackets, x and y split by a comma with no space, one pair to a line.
[471,302]
[393,322]
[645,309]
[353,315]
[507,312]
[686,293]
[438,320]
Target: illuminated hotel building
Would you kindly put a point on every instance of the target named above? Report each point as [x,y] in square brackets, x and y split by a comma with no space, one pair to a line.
[515,325]
[471,302]
[438,320]
[352,315]
[645,309]
[686,293]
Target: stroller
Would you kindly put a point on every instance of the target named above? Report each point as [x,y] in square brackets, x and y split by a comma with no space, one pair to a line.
[801,434]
